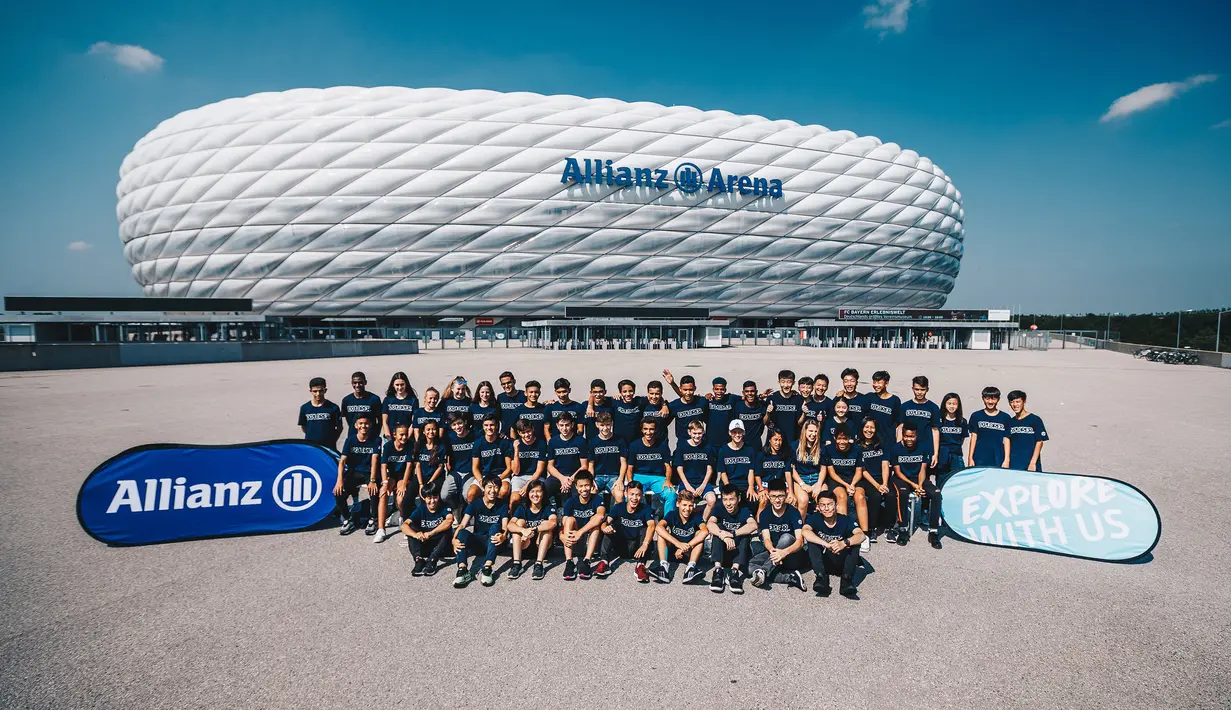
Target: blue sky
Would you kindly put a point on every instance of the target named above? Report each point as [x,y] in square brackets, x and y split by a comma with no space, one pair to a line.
[1084,136]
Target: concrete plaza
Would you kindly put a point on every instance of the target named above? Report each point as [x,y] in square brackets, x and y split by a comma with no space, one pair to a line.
[316,620]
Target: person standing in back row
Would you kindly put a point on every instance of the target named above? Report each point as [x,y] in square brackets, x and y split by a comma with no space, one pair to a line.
[510,400]
[883,408]
[360,403]
[989,433]
[784,409]
[319,419]
[1026,435]
[924,414]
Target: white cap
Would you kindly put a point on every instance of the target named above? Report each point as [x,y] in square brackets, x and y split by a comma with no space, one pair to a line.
[736,424]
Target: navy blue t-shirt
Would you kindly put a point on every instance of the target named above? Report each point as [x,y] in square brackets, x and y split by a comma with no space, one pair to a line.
[785,417]
[913,462]
[366,406]
[398,461]
[491,455]
[806,468]
[423,520]
[990,431]
[359,454]
[831,425]
[952,433]
[322,425]
[752,415]
[460,453]
[684,530]
[568,455]
[886,412]
[430,459]
[728,521]
[685,413]
[815,410]
[844,462]
[480,413]
[531,518]
[844,526]
[630,524]
[422,416]
[718,419]
[582,512]
[824,404]
[455,406]
[508,409]
[788,522]
[555,409]
[535,416]
[605,454]
[872,457]
[924,416]
[649,460]
[591,426]
[739,464]
[400,412]
[1023,435]
[771,466]
[487,521]
[654,412]
[856,408]
[694,460]
[626,419]
[529,455]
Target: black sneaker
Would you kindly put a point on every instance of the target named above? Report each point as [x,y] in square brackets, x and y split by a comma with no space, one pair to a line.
[539,572]
[891,535]
[874,536]
[821,586]
[719,581]
[419,565]
[515,571]
[735,580]
[692,574]
[934,540]
[660,572]
[487,576]
[464,577]
[583,569]
[371,528]
[348,527]
[430,567]
[903,537]
[570,570]
[847,589]
[796,579]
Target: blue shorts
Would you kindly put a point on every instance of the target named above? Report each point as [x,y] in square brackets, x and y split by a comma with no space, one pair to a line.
[703,491]
[604,481]
[810,478]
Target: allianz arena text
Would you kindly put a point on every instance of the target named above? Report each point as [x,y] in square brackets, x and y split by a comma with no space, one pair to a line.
[434,202]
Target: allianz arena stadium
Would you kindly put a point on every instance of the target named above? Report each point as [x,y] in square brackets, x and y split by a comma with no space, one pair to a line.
[429,203]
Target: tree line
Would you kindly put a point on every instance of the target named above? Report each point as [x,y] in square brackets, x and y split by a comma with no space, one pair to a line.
[1196,328]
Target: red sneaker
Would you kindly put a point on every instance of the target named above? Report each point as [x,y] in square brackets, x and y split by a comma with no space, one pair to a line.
[602,570]
[642,575]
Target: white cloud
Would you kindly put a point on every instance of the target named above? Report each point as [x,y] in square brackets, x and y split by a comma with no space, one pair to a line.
[1222,124]
[887,15]
[80,246]
[129,56]
[1153,95]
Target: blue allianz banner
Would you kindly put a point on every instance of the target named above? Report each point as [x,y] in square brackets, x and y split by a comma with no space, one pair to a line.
[167,492]
[1081,516]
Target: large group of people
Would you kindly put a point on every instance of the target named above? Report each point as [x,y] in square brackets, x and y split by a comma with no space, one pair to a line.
[771,482]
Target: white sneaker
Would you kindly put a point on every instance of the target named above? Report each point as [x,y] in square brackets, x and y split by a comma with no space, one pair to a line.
[394,520]
[865,545]
[381,536]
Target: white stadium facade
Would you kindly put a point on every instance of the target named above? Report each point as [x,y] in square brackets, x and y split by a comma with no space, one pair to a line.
[422,205]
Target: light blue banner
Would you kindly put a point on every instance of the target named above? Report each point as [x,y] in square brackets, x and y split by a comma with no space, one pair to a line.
[1081,516]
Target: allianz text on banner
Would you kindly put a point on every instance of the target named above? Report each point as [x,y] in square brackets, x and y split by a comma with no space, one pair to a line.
[167,492]
[1081,516]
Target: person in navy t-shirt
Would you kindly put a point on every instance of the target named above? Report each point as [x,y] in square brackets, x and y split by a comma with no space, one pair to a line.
[910,465]
[820,385]
[923,413]
[844,467]
[597,403]
[484,406]
[837,418]
[533,411]
[397,463]
[626,413]
[1026,435]
[492,455]
[732,526]
[567,454]
[989,433]
[833,547]
[681,536]
[359,465]
[656,410]
[811,409]
[608,457]
[694,466]
[459,442]
[785,408]
[399,406]
[688,408]
[855,400]
[780,548]
[773,463]
[882,407]
[431,458]
[456,399]
[429,533]
[953,432]
[627,534]
[487,519]
[360,403]
[750,410]
[533,525]
[565,403]
[529,458]
[582,516]
[736,462]
[430,411]
[808,467]
[510,400]
[875,481]
[320,419]
[720,409]
[649,461]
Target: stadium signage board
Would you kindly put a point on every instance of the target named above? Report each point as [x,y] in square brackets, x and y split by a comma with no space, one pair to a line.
[168,492]
[921,314]
[688,178]
[1090,517]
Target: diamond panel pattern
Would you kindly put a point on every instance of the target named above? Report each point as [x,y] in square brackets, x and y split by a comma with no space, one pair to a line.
[396,201]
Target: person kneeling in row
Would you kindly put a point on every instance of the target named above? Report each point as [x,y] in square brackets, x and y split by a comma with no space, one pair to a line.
[732,526]
[627,533]
[833,546]
[781,541]
[681,535]
[532,525]
[429,532]
[487,517]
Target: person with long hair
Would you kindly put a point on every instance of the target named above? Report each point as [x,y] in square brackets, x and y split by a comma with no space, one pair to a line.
[455,399]
[839,418]
[844,467]
[431,457]
[875,479]
[953,433]
[484,406]
[808,467]
[397,460]
[399,406]
[773,463]
[429,412]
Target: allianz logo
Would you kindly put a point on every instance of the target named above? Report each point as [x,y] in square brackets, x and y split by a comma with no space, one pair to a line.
[294,489]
